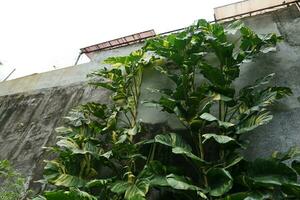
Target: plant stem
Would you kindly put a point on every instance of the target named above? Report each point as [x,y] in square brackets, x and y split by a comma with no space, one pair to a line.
[152,153]
[222,110]
[202,156]
[201,146]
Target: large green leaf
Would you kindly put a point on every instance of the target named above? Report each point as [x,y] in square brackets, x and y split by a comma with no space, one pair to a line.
[233,160]
[210,118]
[232,28]
[77,148]
[270,173]
[220,181]
[178,145]
[292,189]
[67,180]
[226,141]
[138,190]
[181,183]
[172,140]
[236,196]
[69,195]
[296,166]
[253,121]
[155,172]
[221,139]
[213,74]
[292,153]
[119,187]
[133,190]
[98,183]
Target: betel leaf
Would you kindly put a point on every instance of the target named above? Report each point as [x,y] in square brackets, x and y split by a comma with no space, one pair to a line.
[220,181]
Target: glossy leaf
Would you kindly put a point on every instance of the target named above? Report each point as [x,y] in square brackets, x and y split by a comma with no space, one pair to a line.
[67,180]
[220,181]
[178,145]
[271,173]
[210,118]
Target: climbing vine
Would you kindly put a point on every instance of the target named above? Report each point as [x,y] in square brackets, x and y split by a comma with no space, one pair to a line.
[106,152]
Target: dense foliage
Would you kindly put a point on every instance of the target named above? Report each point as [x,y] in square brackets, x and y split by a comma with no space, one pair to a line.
[11,182]
[107,153]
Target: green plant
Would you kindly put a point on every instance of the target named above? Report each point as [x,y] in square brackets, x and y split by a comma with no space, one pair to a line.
[12,183]
[107,153]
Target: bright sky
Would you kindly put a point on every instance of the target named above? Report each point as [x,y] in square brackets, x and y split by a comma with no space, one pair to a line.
[36,35]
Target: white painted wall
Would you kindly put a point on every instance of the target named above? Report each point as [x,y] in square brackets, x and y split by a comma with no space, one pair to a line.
[245,6]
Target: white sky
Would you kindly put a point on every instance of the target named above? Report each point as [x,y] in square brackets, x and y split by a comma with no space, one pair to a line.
[35,35]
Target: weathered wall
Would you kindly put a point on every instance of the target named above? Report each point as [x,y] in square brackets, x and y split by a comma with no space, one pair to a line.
[27,122]
[31,107]
[283,131]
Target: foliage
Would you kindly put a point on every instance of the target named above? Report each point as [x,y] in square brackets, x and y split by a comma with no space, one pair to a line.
[11,182]
[106,153]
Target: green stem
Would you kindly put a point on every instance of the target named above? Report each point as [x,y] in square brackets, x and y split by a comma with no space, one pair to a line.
[152,153]
[201,148]
[222,110]
[202,156]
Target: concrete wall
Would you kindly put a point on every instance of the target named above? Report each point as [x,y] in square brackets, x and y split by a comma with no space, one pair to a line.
[27,122]
[31,107]
[243,7]
[64,76]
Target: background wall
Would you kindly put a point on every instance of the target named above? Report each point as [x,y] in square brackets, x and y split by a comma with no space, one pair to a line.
[31,107]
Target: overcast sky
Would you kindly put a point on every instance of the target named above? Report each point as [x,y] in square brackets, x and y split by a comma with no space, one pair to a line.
[36,35]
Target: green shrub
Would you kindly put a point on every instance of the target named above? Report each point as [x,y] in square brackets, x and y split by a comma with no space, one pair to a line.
[11,182]
[105,152]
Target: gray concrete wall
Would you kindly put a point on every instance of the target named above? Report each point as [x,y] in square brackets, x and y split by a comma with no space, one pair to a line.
[27,122]
[31,107]
[284,131]
[62,77]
